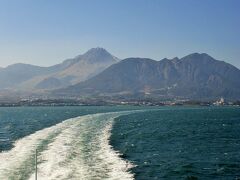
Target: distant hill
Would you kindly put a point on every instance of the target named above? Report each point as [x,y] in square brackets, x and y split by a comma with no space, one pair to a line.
[14,75]
[71,71]
[196,76]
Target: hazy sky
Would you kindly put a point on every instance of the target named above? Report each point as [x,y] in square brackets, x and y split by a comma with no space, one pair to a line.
[45,32]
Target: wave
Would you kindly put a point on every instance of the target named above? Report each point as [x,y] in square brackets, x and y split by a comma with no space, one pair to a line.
[77,148]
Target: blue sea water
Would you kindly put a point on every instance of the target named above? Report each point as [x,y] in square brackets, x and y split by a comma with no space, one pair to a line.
[120,142]
[181,143]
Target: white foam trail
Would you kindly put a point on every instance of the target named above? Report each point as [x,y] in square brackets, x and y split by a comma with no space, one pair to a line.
[23,149]
[119,167]
[77,148]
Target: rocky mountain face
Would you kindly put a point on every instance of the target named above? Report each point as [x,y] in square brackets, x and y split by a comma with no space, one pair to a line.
[196,76]
[71,71]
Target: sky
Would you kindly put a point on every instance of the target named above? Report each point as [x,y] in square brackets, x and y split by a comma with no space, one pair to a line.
[46,32]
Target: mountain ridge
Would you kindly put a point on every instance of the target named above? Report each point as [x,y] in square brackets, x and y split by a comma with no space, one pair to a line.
[98,73]
[70,71]
[194,76]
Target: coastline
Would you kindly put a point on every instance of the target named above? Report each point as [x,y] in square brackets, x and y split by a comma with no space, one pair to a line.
[118,102]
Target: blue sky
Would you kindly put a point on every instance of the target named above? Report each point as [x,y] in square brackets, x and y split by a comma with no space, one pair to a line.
[46,32]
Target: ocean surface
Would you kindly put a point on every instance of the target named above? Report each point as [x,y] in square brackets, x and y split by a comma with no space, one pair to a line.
[120,142]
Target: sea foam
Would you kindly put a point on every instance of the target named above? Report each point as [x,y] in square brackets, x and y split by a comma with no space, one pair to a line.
[77,148]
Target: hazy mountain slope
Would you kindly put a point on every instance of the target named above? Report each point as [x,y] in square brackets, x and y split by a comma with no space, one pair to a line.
[15,74]
[194,76]
[89,64]
[25,76]
[71,71]
[75,70]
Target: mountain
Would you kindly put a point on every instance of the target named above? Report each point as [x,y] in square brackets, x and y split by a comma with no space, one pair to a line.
[71,71]
[97,55]
[15,74]
[87,65]
[196,76]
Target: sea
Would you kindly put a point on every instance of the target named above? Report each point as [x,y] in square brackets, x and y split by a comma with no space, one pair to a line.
[119,143]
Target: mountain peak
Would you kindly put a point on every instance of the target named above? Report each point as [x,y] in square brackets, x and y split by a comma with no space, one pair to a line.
[21,65]
[98,51]
[98,55]
[175,59]
[198,56]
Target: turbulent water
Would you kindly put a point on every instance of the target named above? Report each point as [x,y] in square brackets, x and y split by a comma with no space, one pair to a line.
[120,143]
[77,148]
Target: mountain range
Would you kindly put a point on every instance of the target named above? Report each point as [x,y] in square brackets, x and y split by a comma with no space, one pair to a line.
[98,73]
[26,77]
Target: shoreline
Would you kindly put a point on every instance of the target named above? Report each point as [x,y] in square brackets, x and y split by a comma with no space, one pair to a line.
[119,102]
